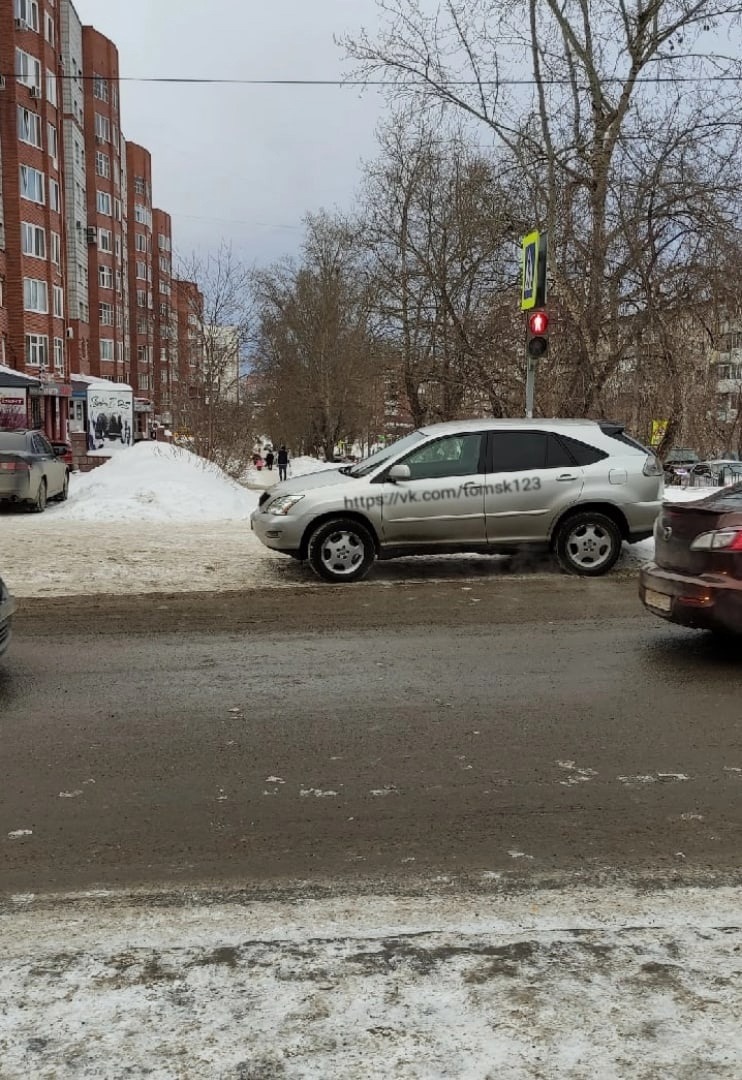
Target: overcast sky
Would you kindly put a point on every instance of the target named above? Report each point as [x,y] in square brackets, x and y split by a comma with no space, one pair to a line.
[236,161]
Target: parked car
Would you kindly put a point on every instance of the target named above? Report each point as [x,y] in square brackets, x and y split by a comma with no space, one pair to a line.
[578,487]
[63,450]
[7,609]
[717,473]
[31,471]
[696,577]
[678,462]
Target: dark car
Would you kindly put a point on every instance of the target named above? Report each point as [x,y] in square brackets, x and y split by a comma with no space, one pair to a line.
[696,577]
[7,608]
[31,470]
[63,450]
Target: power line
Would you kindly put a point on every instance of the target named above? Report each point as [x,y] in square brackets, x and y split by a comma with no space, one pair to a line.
[610,80]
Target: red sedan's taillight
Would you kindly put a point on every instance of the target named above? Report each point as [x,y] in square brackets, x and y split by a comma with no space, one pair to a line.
[721,540]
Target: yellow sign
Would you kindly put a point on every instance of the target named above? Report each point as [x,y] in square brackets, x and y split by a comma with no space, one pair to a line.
[529,287]
[659,428]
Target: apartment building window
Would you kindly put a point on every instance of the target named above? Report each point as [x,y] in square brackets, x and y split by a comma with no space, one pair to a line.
[116,175]
[140,187]
[102,127]
[115,137]
[144,355]
[115,97]
[32,185]
[118,249]
[120,354]
[117,209]
[105,312]
[49,33]
[141,298]
[163,374]
[29,127]
[35,296]
[106,348]
[56,249]
[142,325]
[100,88]
[54,198]
[28,12]
[141,270]
[37,350]
[142,215]
[52,142]
[140,242]
[103,203]
[27,69]
[119,282]
[105,277]
[163,242]
[164,311]
[82,273]
[84,311]
[165,266]
[105,240]
[119,315]
[59,354]
[33,240]
[58,302]
[102,164]
[144,382]
[51,88]
[165,288]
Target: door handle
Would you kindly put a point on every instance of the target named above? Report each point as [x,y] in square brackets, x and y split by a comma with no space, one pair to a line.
[565,477]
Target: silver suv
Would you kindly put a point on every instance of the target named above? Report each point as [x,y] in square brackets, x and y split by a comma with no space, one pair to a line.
[577,487]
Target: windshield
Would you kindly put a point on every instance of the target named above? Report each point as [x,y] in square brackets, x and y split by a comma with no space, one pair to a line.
[369,464]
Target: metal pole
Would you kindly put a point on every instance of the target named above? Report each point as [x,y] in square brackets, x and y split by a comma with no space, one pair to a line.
[530,384]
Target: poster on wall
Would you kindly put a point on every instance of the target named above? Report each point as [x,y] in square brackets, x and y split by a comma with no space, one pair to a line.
[13,413]
[110,419]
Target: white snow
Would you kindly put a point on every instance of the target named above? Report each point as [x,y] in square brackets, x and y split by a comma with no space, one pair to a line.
[572,983]
[155,482]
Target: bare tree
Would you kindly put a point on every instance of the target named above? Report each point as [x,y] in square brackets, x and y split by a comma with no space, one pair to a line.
[220,316]
[570,91]
[316,350]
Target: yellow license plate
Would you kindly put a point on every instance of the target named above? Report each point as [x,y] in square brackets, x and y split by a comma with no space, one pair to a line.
[657,600]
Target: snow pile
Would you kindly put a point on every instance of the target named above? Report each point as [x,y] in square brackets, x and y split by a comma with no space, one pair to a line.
[155,482]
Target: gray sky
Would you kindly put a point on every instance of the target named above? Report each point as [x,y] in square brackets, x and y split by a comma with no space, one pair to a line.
[242,162]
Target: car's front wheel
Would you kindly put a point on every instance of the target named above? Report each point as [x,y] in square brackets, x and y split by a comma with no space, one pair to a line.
[341,550]
[588,544]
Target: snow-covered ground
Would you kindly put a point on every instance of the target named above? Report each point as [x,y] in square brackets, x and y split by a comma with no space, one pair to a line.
[578,983]
[158,518]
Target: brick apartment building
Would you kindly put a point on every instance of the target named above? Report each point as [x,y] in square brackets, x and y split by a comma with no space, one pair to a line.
[166,374]
[189,306]
[86,285]
[34,320]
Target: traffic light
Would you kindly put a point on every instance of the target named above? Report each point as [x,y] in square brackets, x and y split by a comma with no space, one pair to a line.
[538,334]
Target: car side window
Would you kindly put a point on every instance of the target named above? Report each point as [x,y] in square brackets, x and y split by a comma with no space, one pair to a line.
[41,446]
[453,455]
[581,452]
[557,454]
[518,451]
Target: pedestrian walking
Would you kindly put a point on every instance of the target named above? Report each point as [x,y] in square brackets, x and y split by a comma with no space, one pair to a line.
[269,459]
[283,463]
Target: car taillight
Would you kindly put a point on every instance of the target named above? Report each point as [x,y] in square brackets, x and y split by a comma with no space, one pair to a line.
[653,466]
[721,540]
[14,466]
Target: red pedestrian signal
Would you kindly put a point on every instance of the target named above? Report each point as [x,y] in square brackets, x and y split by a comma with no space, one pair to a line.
[538,329]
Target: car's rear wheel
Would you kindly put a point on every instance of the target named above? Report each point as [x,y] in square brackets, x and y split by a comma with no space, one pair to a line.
[342,550]
[38,506]
[588,544]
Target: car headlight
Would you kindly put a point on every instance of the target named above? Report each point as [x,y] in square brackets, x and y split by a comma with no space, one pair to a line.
[282,504]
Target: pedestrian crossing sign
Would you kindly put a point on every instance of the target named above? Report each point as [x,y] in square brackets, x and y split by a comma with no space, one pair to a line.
[529,288]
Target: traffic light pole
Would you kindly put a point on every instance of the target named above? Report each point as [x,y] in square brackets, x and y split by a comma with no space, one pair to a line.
[530,384]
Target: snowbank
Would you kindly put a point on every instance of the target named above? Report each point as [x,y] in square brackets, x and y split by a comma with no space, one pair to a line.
[155,482]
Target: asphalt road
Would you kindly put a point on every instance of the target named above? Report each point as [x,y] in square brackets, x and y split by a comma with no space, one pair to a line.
[380,733]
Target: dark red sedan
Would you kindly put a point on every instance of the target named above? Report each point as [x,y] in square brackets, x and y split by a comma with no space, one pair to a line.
[696,578]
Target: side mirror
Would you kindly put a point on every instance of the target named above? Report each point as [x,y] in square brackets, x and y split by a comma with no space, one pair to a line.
[399,472]
[59,451]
